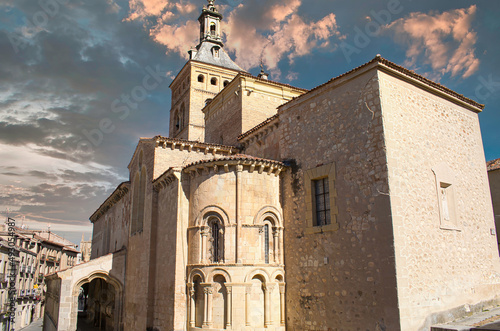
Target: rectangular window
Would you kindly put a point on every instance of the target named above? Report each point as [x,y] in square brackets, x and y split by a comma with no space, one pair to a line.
[322,199]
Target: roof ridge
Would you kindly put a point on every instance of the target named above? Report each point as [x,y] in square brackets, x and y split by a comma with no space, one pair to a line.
[258,126]
[244,73]
[379,59]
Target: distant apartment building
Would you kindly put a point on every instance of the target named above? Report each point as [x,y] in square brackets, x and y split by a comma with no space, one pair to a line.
[36,254]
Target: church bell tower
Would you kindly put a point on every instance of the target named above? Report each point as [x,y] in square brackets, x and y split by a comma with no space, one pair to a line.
[210,20]
[207,72]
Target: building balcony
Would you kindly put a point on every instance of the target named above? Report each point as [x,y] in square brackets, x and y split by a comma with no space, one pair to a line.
[42,257]
[40,277]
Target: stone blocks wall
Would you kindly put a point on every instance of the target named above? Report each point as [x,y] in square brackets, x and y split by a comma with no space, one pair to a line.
[170,269]
[264,142]
[340,277]
[438,267]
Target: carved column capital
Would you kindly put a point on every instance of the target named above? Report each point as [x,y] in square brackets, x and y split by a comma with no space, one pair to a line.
[205,230]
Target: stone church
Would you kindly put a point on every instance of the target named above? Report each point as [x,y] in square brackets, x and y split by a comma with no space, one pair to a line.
[361,204]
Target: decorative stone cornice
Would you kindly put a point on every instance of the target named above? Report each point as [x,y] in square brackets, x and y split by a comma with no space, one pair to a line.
[165,179]
[233,163]
[194,146]
[116,196]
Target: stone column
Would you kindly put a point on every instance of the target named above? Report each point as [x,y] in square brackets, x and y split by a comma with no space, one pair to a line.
[239,169]
[207,320]
[282,303]
[281,235]
[192,305]
[267,306]
[204,235]
[247,306]
[229,306]
[275,245]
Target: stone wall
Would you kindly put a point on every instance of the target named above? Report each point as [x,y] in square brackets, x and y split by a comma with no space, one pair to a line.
[339,276]
[264,142]
[223,116]
[444,258]
[170,269]
[110,231]
[139,245]
[246,102]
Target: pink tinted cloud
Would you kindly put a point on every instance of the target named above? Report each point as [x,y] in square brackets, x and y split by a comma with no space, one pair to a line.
[255,29]
[286,33]
[446,40]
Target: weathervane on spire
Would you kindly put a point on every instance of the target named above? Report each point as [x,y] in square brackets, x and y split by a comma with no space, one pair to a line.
[211,6]
[263,74]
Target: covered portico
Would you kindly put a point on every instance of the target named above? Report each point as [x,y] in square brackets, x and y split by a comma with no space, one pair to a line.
[95,287]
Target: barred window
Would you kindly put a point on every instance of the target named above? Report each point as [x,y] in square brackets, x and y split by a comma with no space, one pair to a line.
[266,243]
[322,201]
[217,240]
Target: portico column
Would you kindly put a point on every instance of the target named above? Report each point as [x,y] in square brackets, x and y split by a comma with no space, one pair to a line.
[247,306]
[267,306]
[204,235]
[229,305]
[192,307]
[207,320]
[282,303]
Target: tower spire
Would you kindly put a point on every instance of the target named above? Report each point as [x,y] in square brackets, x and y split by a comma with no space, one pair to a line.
[210,21]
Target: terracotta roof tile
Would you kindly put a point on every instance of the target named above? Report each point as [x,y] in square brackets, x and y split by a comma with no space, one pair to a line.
[493,164]
[236,157]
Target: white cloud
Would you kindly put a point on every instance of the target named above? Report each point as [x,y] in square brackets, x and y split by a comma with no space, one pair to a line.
[445,40]
[270,29]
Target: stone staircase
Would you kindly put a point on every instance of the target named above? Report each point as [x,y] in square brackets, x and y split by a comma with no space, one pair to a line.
[484,320]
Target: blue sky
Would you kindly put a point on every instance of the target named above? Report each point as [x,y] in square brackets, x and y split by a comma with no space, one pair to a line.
[66,66]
